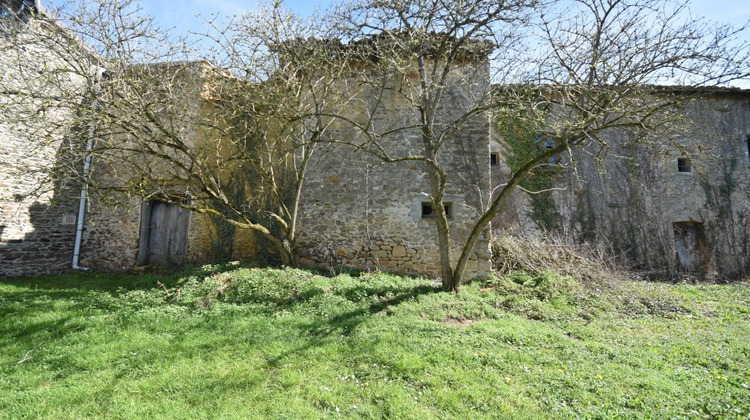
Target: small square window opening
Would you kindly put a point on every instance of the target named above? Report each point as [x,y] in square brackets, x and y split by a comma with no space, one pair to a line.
[550,144]
[427,212]
[69,219]
[494,159]
[683,165]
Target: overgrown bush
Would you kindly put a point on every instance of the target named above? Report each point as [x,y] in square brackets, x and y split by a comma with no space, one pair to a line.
[271,290]
[539,276]
[511,253]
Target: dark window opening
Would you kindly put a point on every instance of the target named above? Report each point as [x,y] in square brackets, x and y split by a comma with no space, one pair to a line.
[549,144]
[748,149]
[683,165]
[494,159]
[427,212]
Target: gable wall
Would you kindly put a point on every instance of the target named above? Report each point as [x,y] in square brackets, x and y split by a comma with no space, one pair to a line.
[37,217]
[359,212]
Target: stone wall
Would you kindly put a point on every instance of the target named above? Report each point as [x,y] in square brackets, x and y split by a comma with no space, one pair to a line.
[37,213]
[112,236]
[638,200]
[37,216]
[36,236]
[359,212]
[113,232]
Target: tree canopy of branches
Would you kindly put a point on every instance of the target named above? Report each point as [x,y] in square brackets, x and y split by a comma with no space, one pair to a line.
[233,138]
[231,142]
[589,68]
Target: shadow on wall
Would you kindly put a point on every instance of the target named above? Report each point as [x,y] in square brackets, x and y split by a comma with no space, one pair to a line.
[38,239]
[48,248]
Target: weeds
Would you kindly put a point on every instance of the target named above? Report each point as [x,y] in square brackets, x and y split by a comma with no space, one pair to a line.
[588,263]
[234,342]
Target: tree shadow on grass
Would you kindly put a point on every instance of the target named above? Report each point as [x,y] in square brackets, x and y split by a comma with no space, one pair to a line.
[82,291]
[46,318]
[54,306]
[71,296]
[100,281]
[346,323]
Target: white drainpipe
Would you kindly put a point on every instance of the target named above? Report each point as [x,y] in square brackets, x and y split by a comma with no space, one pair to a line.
[84,191]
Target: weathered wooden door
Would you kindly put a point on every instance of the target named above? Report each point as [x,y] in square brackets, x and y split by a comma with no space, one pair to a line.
[687,242]
[163,234]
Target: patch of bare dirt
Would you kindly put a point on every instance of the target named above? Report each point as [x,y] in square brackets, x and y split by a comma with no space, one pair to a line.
[458,322]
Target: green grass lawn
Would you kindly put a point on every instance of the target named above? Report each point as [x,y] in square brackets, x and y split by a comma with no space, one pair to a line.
[220,342]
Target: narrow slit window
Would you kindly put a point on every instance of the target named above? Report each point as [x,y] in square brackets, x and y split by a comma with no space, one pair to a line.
[495,157]
[748,150]
[683,165]
[427,212]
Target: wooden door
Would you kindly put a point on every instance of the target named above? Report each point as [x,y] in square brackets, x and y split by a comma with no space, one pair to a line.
[688,246]
[163,234]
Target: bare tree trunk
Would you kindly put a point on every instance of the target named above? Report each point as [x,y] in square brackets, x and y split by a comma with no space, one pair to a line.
[443,227]
[437,181]
[497,205]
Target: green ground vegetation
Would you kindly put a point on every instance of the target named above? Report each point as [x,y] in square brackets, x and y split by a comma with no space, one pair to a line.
[233,342]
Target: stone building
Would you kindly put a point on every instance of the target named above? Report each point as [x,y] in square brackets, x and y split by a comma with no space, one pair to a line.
[355,212]
[664,206]
[37,215]
[124,230]
[361,212]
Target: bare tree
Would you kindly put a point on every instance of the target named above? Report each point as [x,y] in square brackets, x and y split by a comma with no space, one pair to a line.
[276,104]
[421,49]
[230,139]
[234,139]
[596,67]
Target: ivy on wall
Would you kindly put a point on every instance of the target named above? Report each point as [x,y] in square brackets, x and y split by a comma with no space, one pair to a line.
[522,142]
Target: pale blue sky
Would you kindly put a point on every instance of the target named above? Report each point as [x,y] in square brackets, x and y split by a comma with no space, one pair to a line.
[182,13]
